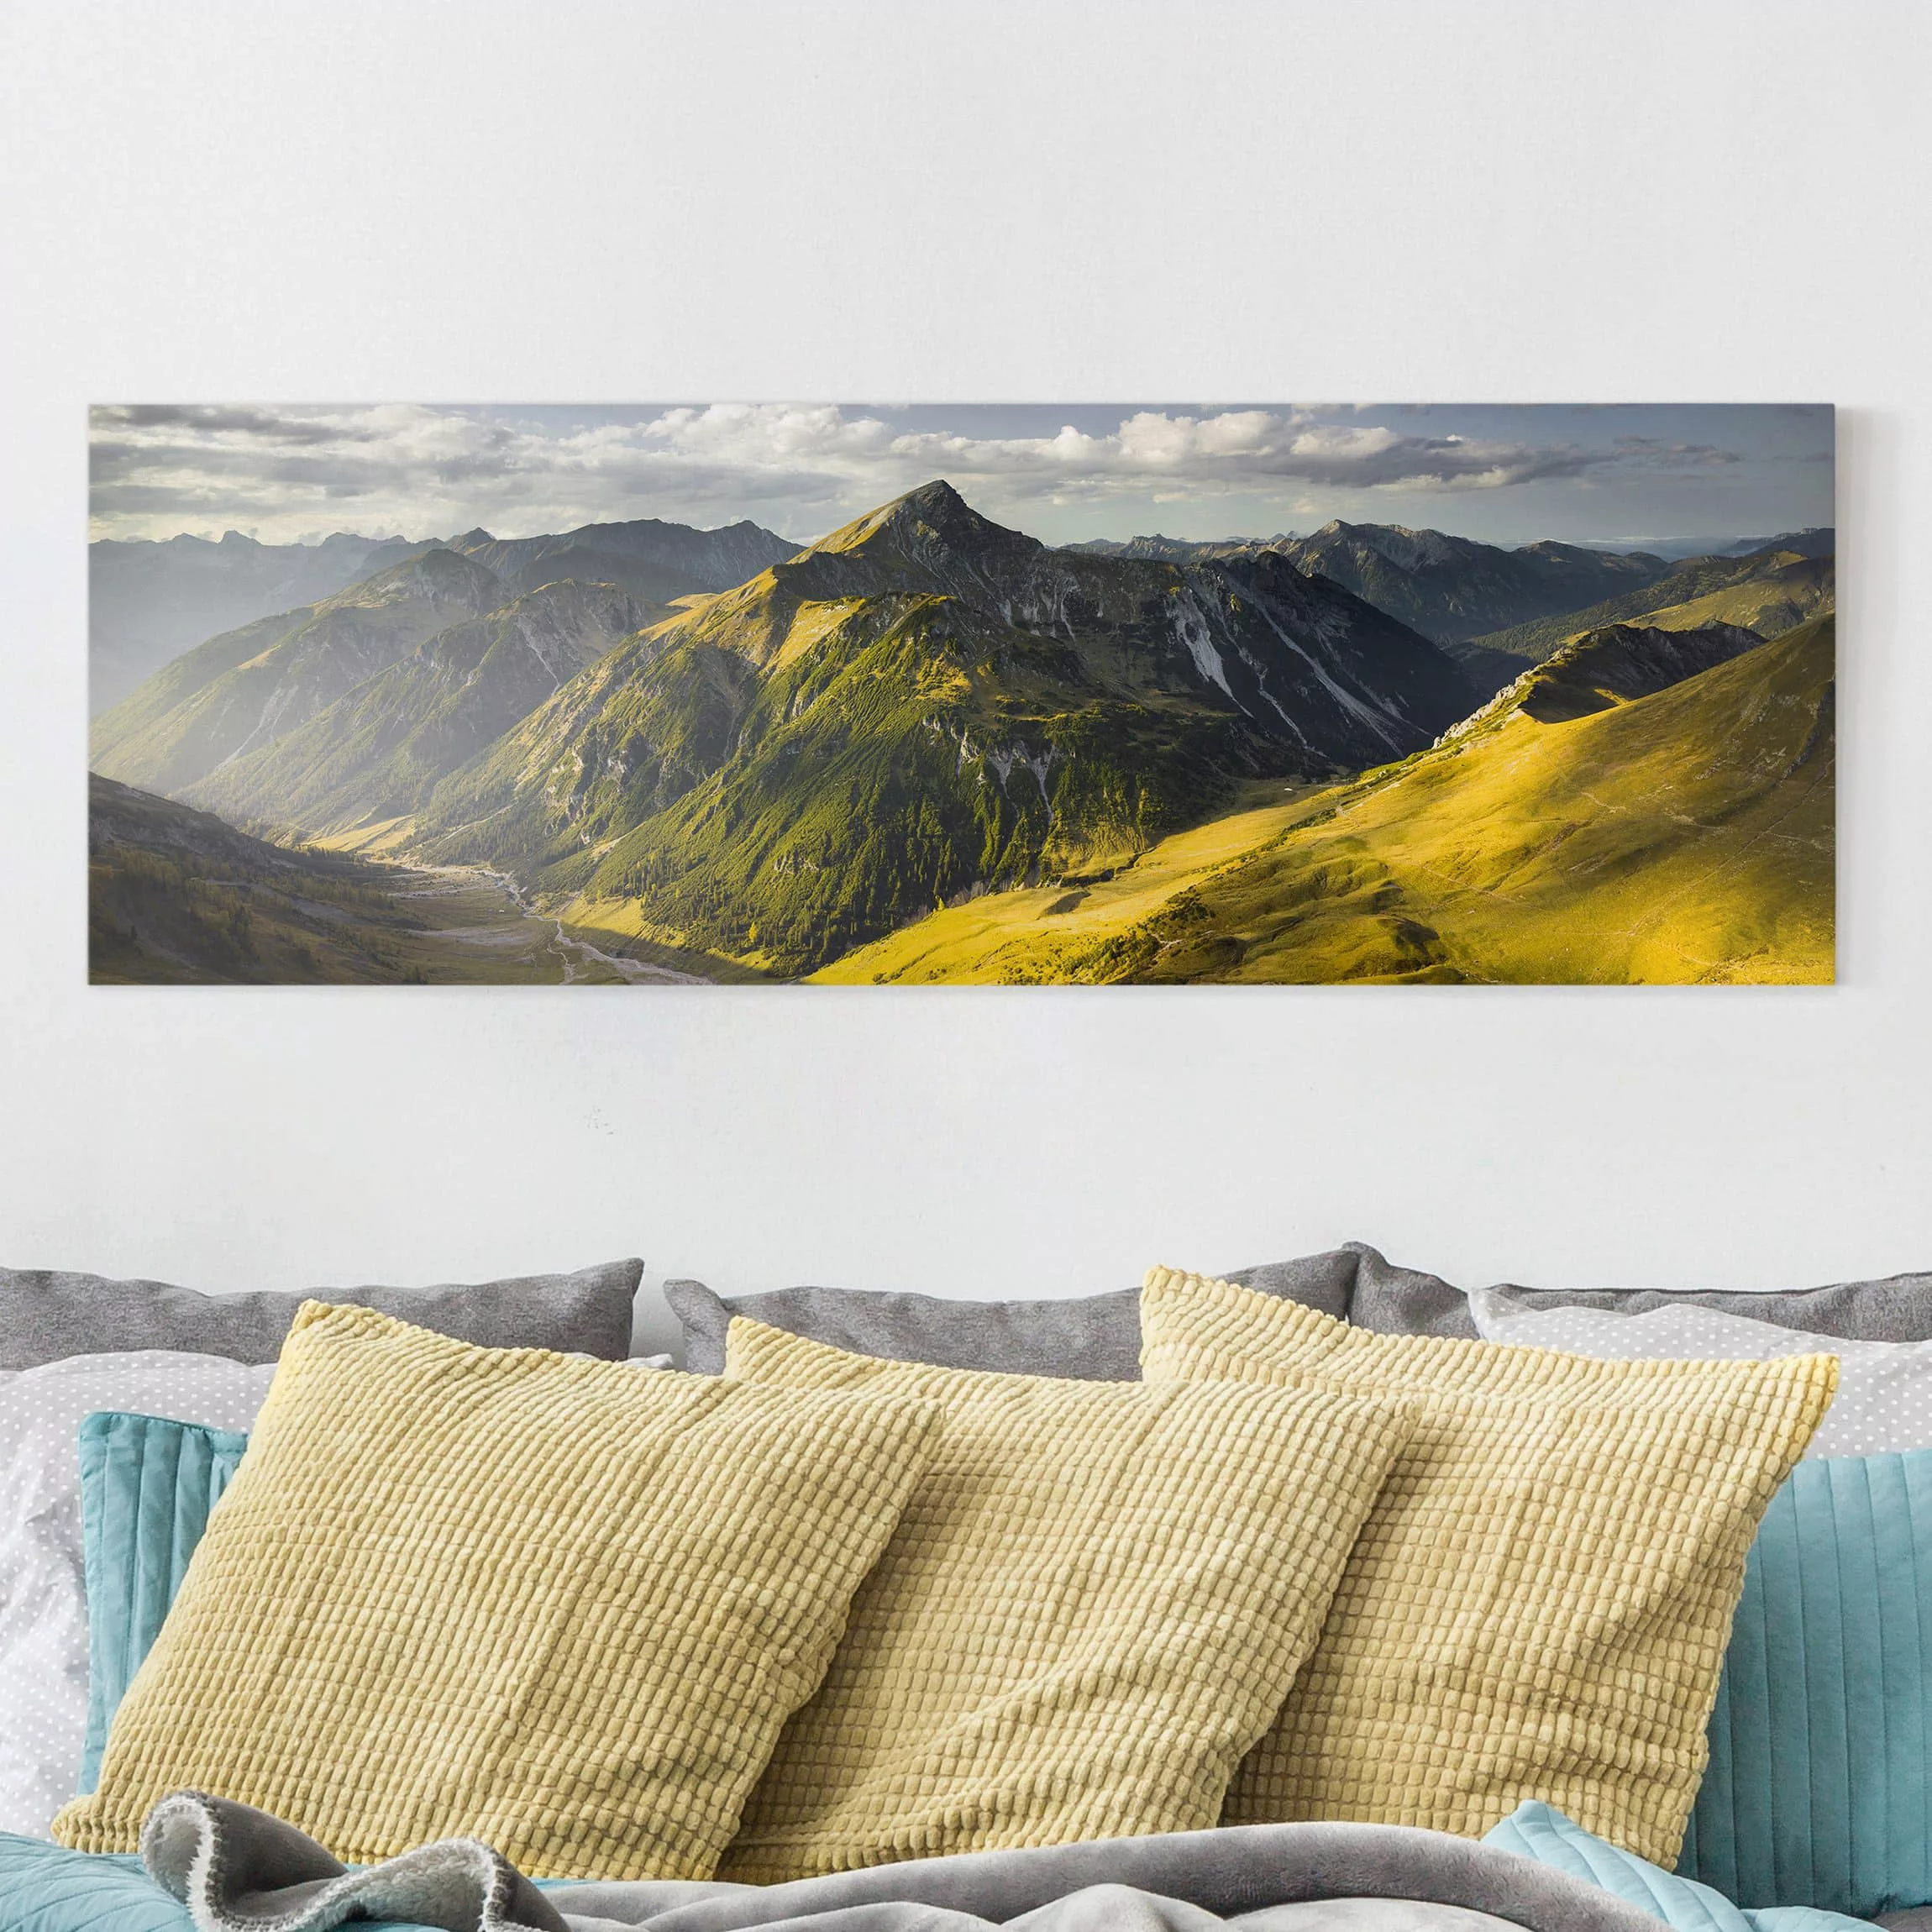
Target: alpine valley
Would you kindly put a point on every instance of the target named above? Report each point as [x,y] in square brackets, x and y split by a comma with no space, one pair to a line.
[927,748]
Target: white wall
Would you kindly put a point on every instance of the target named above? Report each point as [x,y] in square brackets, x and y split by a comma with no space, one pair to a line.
[432,201]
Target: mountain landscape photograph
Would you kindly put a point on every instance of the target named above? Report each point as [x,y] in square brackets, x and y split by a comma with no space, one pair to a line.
[1011,695]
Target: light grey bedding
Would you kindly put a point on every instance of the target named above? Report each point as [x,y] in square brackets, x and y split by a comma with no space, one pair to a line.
[238,1870]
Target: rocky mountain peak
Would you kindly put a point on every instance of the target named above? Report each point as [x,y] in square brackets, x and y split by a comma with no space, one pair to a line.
[934,516]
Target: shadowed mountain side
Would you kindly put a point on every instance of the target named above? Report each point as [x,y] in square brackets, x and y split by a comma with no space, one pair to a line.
[1819,540]
[177,897]
[147,602]
[254,686]
[1179,549]
[1446,588]
[1454,588]
[923,706]
[1614,665]
[1767,591]
[377,752]
[1686,835]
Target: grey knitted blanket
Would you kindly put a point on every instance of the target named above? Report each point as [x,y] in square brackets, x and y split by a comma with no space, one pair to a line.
[238,1870]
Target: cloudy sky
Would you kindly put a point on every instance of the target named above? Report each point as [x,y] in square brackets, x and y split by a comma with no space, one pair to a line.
[286,473]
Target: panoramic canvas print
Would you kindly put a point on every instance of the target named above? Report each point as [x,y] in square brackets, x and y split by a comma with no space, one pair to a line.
[1026,694]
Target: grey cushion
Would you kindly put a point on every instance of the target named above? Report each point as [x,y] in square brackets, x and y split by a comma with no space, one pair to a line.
[48,1315]
[1406,1301]
[1085,1338]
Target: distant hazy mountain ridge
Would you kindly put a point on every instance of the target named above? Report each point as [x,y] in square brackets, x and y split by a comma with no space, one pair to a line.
[249,687]
[378,751]
[1767,591]
[148,602]
[656,562]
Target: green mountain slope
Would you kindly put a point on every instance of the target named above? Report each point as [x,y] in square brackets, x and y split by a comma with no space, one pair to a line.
[378,751]
[1685,834]
[1765,591]
[253,686]
[921,707]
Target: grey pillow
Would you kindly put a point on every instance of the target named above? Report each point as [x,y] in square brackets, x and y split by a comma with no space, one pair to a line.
[1403,1301]
[1085,1338]
[47,1315]
[1406,1301]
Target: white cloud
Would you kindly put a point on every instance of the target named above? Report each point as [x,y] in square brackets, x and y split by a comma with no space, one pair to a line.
[286,472]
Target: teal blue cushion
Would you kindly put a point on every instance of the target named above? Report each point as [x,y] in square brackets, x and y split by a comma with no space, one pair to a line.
[45,1889]
[1818,1793]
[146,1488]
[1538,1832]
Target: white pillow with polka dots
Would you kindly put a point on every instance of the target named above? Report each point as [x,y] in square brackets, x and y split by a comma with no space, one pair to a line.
[1884,1399]
[43,1592]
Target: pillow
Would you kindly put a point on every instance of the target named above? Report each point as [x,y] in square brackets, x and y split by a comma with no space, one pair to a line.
[1820,1790]
[147,1485]
[1083,1338]
[1884,1401]
[1409,1301]
[504,1594]
[46,1315]
[1538,1832]
[1095,1601]
[1538,1605]
[43,1598]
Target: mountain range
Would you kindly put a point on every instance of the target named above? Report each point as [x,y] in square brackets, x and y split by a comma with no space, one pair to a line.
[1649,806]
[924,706]
[927,745]
[249,687]
[148,602]
[1448,588]
[379,750]
[1767,591]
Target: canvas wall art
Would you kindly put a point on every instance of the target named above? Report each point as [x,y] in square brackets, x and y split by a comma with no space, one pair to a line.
[1026,696]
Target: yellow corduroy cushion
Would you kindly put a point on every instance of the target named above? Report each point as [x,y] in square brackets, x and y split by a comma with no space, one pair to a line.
[1095,1601]
[561,1606]
[1539,1603]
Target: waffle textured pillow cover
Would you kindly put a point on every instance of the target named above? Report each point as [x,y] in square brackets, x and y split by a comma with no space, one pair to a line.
[1539,1604]
[1884,1402]
[1094,1605]
[503,1594]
